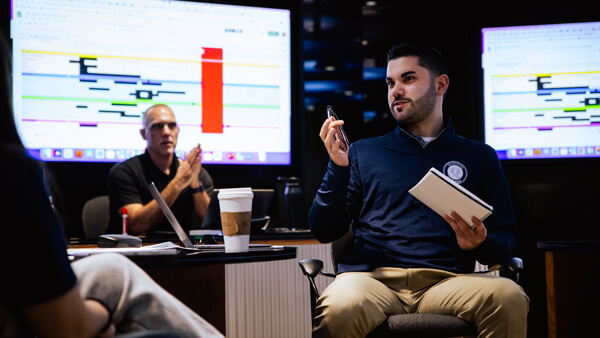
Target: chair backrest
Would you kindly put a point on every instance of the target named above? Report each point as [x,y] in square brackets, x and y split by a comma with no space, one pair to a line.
[95,216]
[338,247]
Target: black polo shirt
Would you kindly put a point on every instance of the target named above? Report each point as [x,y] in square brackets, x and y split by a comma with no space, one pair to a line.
[128,183]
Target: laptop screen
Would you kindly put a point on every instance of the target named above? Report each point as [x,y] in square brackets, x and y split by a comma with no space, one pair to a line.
[183,237]
[261,203]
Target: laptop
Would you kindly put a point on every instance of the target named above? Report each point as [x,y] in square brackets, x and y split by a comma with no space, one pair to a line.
[262,208]
[183,237]
[261,204]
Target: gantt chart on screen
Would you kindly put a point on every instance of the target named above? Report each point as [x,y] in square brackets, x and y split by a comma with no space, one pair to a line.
[85,70]
[542,90]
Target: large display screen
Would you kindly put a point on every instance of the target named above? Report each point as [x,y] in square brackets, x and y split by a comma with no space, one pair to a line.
[85,70]
[542,90]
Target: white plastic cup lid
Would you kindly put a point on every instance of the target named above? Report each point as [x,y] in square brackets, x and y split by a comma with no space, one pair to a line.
[232,193]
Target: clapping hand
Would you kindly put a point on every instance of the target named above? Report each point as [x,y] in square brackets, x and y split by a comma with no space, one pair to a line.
[189,169]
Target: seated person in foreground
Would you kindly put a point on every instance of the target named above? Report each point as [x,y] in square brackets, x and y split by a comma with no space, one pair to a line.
[41,293]
[404,257]
[184,184]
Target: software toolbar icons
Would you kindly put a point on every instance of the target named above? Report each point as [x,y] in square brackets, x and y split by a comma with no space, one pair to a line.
[553,152]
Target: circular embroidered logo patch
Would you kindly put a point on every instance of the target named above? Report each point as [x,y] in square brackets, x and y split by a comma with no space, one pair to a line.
[456,171]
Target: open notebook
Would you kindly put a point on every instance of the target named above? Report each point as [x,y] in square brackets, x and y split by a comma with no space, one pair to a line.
[443,196]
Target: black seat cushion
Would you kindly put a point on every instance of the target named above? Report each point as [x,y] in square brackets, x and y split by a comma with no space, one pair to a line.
[423,325]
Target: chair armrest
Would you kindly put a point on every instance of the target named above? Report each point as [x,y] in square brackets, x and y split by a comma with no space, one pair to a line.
[311,267]
[512,268]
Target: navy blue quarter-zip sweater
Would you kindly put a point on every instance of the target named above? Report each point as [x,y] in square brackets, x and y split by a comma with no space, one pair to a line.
[394,229]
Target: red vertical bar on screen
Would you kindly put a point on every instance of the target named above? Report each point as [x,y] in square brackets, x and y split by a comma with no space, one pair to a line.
[212,90]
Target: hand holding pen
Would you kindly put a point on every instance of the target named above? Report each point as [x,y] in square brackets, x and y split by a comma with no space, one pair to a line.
[338,134]
[333,137]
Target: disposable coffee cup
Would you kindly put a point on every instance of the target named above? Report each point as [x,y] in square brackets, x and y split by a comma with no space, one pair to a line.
[236,214]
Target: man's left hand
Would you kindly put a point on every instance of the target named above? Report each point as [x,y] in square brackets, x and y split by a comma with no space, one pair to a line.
[468,237]
[195,162]
[187,173]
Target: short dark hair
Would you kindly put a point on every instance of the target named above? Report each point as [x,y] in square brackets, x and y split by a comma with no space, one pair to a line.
[429,57]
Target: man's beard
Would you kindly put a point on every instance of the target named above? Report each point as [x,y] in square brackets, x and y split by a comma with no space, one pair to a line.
[419,110]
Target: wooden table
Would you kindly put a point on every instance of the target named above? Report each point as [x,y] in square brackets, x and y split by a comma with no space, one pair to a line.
[572,288]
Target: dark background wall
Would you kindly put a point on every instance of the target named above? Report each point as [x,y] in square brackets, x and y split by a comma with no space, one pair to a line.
[553,200]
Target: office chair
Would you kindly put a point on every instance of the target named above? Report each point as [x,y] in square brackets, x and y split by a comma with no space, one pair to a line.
[95,216]
[405,325]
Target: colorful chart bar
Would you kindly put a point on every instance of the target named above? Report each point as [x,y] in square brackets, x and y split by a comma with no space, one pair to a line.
[212,90]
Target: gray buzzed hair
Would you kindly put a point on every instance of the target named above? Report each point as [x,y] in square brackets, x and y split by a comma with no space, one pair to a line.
[145,112]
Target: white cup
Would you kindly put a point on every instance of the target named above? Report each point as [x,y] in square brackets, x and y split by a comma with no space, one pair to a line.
[236,214]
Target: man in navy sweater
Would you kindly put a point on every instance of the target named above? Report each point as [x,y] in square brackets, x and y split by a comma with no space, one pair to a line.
[404,257]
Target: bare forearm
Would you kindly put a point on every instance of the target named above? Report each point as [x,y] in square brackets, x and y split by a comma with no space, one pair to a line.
[142,219]
[201,200]
[101,318]
[68,316]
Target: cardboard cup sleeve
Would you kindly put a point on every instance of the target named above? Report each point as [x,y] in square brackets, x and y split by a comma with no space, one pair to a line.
[236,223]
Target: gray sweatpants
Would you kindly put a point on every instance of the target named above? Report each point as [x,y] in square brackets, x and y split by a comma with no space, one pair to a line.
[137,302]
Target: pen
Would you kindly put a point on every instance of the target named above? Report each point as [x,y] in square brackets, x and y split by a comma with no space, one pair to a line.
[124,221]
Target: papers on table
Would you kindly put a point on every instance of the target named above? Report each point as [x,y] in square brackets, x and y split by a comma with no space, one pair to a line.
[166,248]
[443,196]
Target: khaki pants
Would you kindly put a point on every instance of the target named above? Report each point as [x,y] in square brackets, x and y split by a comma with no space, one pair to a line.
[357,302]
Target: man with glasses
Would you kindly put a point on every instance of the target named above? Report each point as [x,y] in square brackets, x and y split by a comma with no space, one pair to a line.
[184,184]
